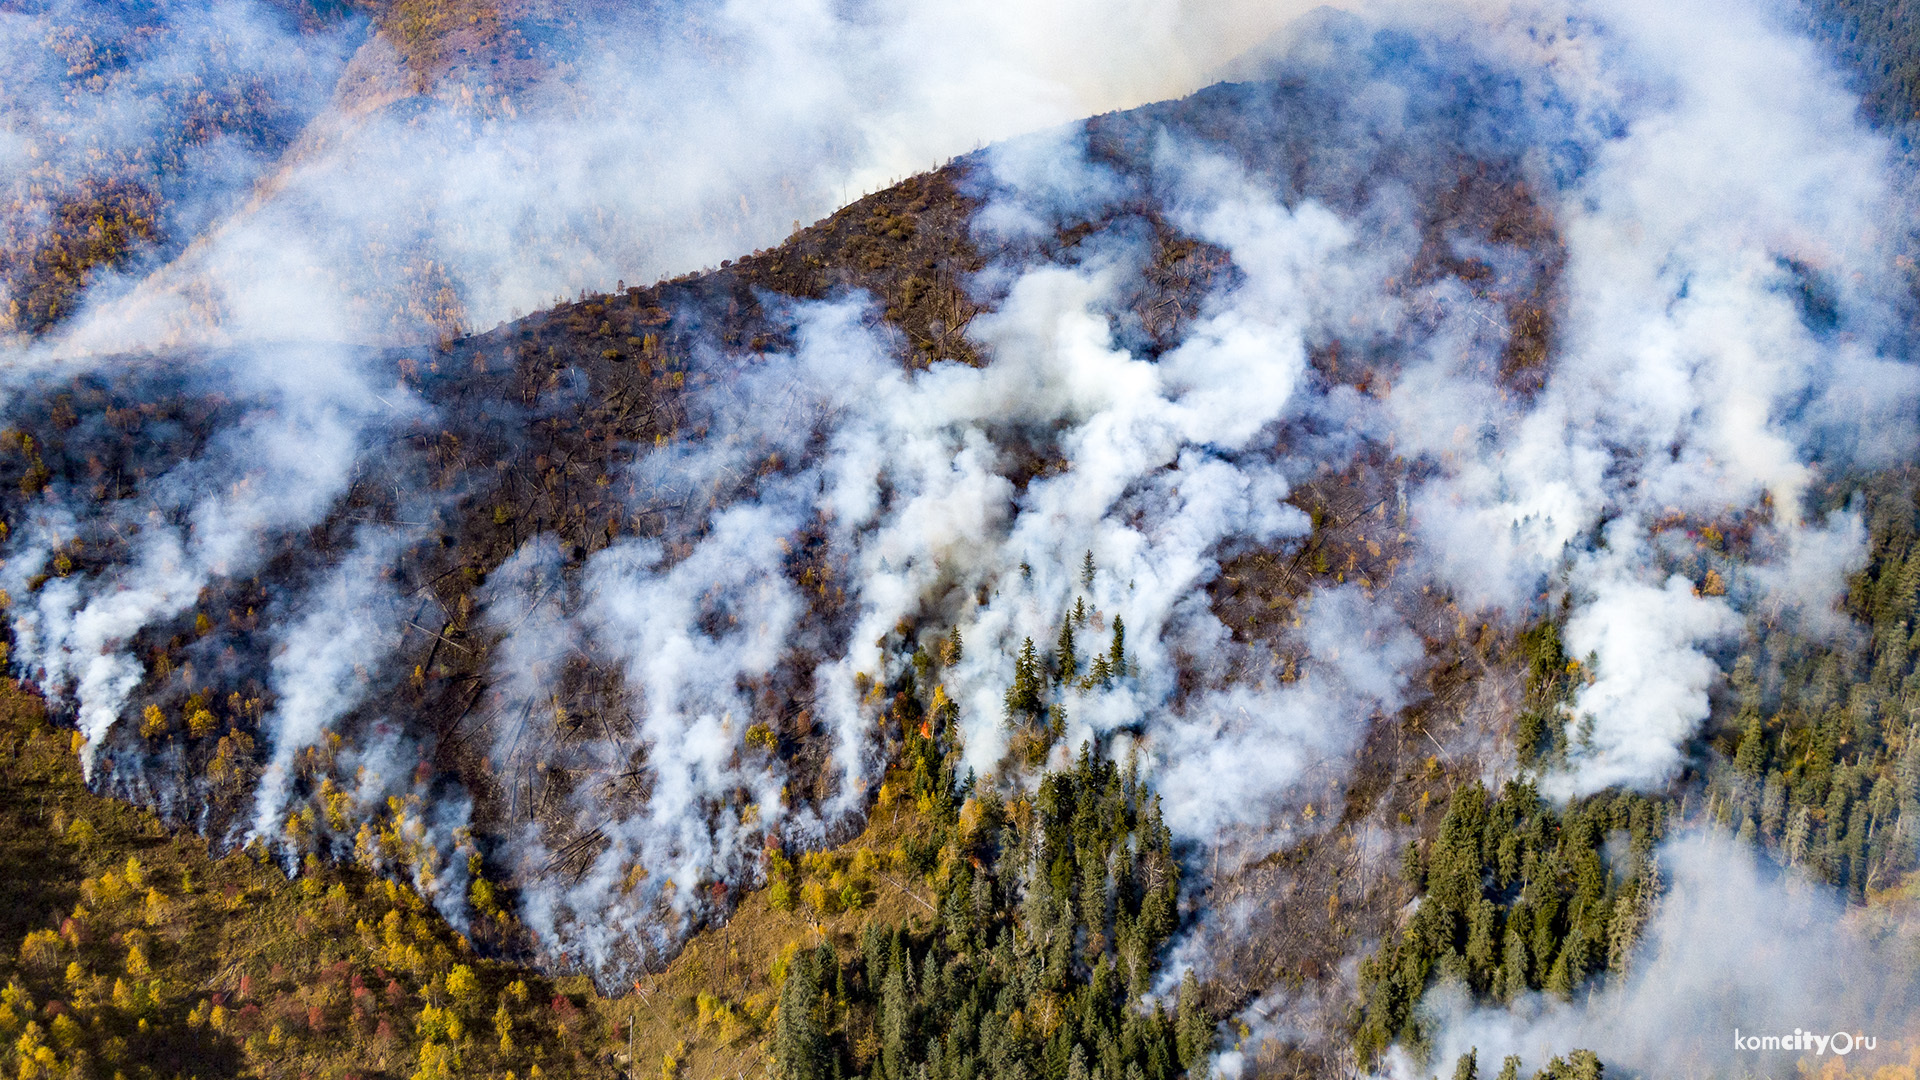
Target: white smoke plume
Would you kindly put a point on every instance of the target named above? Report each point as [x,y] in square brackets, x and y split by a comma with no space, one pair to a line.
[1730,306]
[1245,757]
[323,666]
[282,466]
[1652,683]
[1737,944]
[1160,466]
[655,146]
[1727,332]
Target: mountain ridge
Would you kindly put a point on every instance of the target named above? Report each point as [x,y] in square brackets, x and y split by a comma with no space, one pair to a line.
[476,498]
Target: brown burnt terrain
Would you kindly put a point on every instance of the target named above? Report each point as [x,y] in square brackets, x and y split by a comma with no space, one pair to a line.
[1492,206]
[532,429]
[534,424]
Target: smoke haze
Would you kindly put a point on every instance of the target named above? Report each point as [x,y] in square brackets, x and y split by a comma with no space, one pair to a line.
[1689,312]
[1736,944]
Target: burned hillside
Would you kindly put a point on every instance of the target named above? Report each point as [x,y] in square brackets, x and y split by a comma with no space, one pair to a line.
[1324,556]
[532,430]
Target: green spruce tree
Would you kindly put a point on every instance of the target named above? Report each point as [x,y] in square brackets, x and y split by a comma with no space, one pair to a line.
[1024,696]
[1193,1029]
[800,1048]
[1066,665]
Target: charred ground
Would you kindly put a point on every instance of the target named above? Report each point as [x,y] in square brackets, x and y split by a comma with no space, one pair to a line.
[529,430]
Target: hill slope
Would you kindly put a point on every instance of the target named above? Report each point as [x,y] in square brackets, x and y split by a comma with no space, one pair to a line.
[897,652]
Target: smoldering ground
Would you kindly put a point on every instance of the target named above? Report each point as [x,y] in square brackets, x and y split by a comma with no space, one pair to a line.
[1628,343]
[1557,495]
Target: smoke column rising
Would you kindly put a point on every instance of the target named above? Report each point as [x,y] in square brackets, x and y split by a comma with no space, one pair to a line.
[1718,185]
[1702,194]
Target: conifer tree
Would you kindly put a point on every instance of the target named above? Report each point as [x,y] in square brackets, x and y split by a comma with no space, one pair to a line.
[799,1043]
[1585,1065]
[1193,1031]
[1077,1063]
[1023,697]
[893,1016]
[1065,663]
[1560,979]
[1480,940]
[1512,965]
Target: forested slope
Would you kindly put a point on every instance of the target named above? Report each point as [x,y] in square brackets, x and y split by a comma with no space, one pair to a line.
[958,925]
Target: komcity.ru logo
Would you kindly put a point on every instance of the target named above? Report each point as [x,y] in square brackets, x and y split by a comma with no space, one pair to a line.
[1840,1042]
